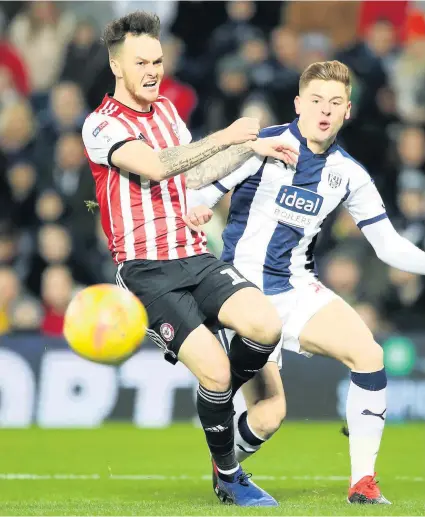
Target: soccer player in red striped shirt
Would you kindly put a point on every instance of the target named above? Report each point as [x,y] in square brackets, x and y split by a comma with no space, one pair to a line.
[141,157]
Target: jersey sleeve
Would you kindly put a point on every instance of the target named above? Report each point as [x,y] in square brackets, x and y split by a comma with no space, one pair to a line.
[364,201]
[211,194]
[102,135]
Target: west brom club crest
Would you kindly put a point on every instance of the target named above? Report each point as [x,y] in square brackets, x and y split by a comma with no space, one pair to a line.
[334,179]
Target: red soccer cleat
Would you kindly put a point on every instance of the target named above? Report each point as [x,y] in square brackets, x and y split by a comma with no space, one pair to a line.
[366,491]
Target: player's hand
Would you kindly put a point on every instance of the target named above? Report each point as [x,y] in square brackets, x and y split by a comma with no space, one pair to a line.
[197,216]
[242,130]
[274,148]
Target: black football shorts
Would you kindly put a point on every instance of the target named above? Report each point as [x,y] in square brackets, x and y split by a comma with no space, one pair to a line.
[179,295]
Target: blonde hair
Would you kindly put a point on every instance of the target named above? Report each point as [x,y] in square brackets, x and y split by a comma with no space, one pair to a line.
[327,71]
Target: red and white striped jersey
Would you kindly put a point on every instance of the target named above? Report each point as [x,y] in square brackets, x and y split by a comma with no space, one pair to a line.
[142,219]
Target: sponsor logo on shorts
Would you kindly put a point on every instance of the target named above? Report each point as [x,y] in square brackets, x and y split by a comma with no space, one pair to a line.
[99,128]
[167,331]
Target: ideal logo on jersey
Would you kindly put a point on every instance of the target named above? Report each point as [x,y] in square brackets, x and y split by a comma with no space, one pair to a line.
[99,128]
[297,206]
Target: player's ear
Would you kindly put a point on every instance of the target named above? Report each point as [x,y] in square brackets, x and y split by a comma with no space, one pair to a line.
[115,67]
[348,111]
[297,103]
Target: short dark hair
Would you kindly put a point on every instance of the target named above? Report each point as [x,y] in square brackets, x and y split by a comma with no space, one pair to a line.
[136,23]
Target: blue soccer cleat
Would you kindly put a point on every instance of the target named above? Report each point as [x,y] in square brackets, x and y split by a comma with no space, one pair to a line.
[240,491]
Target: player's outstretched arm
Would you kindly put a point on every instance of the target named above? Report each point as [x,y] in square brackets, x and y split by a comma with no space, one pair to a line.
[137,157]
[393,249]
[223,163]
[368,211]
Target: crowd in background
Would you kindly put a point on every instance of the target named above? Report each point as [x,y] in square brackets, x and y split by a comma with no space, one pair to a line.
[223,60]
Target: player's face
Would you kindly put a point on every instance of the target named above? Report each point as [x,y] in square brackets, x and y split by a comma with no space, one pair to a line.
[322,107]
[139,64]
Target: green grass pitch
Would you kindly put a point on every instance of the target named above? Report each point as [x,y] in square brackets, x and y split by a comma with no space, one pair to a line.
[304,466]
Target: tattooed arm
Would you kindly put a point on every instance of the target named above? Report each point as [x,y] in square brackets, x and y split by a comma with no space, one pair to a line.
[137,157]
[218,166]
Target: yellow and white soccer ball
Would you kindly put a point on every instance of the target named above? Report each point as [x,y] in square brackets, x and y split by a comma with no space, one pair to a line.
[105,323]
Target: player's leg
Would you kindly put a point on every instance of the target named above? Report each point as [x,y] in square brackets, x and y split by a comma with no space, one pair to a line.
[336,330]
[215,410]
[264,400]
[222,291]
[176,326]
[266,409]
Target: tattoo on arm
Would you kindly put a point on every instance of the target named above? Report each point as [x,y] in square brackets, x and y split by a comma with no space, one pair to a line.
[177,160]
[217,166]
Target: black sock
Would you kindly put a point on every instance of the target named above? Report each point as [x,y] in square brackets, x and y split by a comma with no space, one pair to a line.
[215,411]
[246,359]
[246,433]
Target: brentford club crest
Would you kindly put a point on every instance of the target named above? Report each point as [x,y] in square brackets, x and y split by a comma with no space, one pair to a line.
[334,179]
[167,331]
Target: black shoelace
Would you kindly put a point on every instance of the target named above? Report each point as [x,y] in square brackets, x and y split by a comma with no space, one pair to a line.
[242,479]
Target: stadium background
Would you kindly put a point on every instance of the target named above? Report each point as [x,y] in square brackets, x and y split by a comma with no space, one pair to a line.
[222,60]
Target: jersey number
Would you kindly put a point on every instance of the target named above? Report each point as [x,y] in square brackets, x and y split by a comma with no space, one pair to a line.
[233,275]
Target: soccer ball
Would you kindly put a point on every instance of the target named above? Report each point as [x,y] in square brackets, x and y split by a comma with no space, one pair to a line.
[105,323]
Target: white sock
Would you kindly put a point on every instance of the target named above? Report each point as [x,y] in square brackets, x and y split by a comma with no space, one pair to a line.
[244,449]
[366,411]
[228,472]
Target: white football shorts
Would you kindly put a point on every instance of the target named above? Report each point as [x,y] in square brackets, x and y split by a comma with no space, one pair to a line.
[295,308]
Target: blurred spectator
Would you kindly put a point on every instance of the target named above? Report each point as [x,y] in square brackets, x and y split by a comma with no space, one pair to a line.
[56,293]
[286,51]
[40,33]
[370,316]
[227,38]
[232,89]
[381,40]
[11,63]
[411,149]
[257,106]
[181,95]
[22,178]
[73,181]
[409,72]
[314,47]
[17,132]
[8,243]
[9,291]
[404,302]
[285,45]
[49,207]
[411,203]
[343,275]
[66,112]
[54,246]
[8,92]
[86,60]
[26,315]
[369,74]
[255,53]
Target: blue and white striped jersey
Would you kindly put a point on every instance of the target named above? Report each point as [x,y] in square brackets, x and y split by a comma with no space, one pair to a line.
[278,210]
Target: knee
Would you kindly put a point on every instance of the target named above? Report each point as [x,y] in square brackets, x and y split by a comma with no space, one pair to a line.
[263,330]
[273,416]
[369,357]
[217,378]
